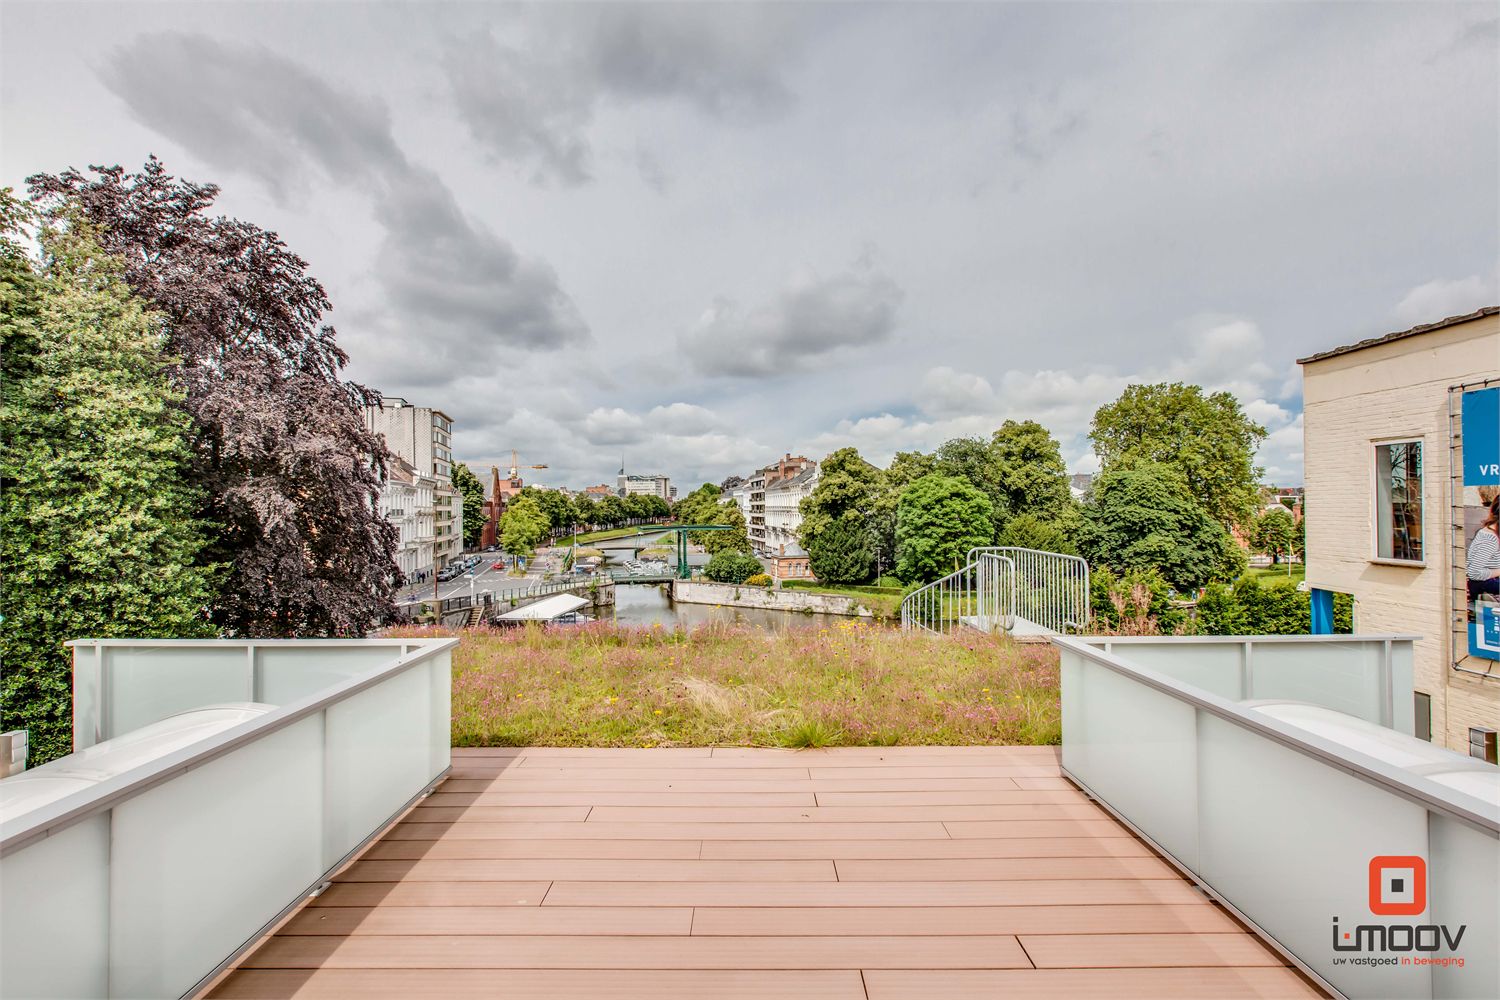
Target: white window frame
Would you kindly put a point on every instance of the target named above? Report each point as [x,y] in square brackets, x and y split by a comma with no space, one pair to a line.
[1376,500]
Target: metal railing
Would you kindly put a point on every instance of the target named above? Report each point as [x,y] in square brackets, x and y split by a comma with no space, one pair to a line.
[1005,589]
[1187,741]
[977,596]
[1051,589]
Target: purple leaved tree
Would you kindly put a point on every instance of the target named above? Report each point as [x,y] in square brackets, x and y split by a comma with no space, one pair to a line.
[281,449]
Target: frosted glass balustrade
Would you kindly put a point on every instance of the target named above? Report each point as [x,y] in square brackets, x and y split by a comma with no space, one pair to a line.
[1278,806]
[144,883]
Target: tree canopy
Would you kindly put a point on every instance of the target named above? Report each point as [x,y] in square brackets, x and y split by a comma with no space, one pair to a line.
[472,492]
[842,552]
[1033,477]
[523,526]
[1144,516]
[706,505]
[938,520]
[1275,533]
[290,476]
[847,487]
[1208,439]
[100,533]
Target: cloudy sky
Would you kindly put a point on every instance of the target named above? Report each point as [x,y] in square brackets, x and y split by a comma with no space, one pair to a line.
[700,236]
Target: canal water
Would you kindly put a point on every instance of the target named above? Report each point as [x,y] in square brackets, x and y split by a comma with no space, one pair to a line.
[648,604]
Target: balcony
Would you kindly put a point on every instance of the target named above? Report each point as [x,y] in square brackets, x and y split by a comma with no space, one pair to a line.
[1191,838]
[213,786]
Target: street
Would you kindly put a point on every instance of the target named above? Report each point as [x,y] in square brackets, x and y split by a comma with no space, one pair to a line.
[486,578]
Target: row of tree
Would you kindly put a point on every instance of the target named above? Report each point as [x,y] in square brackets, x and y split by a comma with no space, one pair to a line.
[182,455]
[535,515]
[1177,473]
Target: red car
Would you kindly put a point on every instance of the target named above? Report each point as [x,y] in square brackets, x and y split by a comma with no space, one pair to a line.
[498,564]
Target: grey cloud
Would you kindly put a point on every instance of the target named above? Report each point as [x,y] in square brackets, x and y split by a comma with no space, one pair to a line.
[807,322]
[531,101]
[467,293]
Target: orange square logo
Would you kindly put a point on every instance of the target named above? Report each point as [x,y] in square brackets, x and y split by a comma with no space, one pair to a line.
[1398,885]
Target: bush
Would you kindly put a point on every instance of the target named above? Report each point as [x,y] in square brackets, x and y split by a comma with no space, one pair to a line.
[1135,602]
[1254,608]
[757,580]
[889,582]
[732,567]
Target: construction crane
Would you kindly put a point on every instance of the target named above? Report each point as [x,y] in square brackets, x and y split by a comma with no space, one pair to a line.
[516,466]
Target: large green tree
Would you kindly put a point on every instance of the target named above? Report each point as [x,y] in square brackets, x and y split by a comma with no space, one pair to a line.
[472,492]
[848,487]
[939,519]
[1032,474]
[1143,516]
[523,526]
[1207,438]
[975,461]
[99,531]
[290,474]
[842,552]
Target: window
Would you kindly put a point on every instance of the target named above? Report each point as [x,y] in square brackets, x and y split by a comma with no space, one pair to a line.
[1423,712]
[1398,501]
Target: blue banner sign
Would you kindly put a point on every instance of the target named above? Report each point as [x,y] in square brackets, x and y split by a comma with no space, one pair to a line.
[1481,447]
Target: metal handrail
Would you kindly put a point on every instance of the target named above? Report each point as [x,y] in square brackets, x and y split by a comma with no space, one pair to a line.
[1414,787]
[53,817]
[1060,602]
[979,588]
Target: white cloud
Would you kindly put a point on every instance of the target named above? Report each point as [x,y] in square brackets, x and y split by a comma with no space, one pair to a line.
[1442,297]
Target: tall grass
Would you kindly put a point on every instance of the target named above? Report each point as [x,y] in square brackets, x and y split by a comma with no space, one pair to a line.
[853,684]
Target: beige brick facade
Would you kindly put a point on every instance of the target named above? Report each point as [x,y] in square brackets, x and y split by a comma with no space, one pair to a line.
[1397,390]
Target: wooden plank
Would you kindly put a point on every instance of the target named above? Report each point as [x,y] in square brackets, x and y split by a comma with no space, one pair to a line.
[1002,869]
[945,920]
[623,952]
[676,772]
[712,831]
[543,984]
[973,797]
[460,920]
[702,765]
[432,894]
[472,781]
[399,850]
[586,870]
[999,847]
[1123,951]
[613,797]
[1035,892]
[1040,783]
[915,771]
[1028,828]
[516,814]
[1087,984]
[820,814]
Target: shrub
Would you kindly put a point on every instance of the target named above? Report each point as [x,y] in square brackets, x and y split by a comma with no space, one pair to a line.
[1254,608]
[757,580]
[731,567]
[1136,602]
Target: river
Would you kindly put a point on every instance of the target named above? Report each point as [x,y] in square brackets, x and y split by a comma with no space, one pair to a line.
[648,603]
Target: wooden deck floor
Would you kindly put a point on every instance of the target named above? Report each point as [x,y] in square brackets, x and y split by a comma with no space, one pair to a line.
[866,874]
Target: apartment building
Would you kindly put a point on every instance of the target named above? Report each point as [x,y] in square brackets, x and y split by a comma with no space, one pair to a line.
[1402,449]
[406,500]
[783,513]
[423,436]
[759,483]
[657,486]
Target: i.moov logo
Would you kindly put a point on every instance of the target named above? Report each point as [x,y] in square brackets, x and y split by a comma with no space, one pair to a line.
[1398,888]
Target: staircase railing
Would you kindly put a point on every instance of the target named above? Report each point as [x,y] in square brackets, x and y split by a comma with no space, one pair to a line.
[1004,588]
[1051,589]
[976,596]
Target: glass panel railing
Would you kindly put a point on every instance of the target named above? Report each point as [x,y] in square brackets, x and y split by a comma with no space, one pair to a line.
[146,878]
[1289,814]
